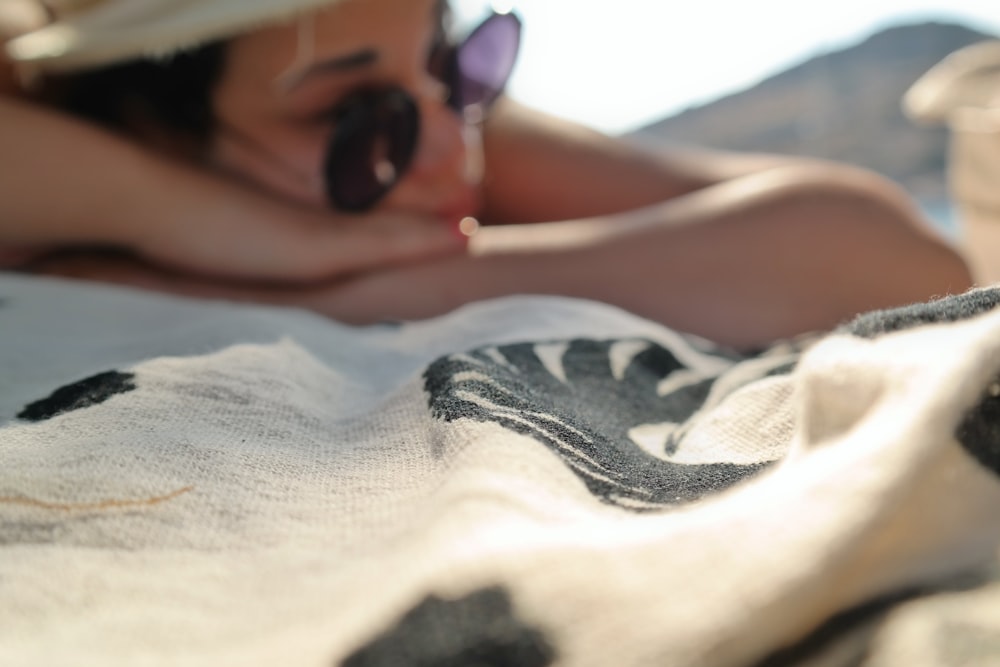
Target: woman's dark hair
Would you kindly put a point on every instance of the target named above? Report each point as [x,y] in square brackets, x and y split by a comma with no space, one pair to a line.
[173,94]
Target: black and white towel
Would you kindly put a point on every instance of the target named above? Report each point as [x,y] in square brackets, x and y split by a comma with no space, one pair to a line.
[524,482]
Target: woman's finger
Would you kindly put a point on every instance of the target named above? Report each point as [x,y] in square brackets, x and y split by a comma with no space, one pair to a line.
[107,191]
[291,245]
[222,228]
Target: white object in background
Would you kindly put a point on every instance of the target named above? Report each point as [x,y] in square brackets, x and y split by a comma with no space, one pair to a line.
[963,90]
[974,180]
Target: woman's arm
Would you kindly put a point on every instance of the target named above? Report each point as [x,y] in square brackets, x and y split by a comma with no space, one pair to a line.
[542,168]
[741,250]
[64,182]
[743,263]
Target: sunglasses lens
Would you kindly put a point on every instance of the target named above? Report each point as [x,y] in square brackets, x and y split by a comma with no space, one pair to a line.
[483,62]
[372,145]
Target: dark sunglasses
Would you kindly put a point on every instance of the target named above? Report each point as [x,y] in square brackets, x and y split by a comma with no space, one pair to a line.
[376,130]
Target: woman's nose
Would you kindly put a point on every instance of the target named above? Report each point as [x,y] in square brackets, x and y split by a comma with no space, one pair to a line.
[441,147]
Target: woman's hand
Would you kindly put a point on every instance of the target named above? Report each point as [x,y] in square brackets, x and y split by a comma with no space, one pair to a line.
[412,291]
[64,183]
[548,258]
[234,233]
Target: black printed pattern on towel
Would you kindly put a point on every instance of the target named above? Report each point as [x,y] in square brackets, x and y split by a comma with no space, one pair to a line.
[89,391]
[480,629]
[979,431]
[948,309]
[584,399]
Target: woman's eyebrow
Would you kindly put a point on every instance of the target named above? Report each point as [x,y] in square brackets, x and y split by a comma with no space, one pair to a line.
[356,60]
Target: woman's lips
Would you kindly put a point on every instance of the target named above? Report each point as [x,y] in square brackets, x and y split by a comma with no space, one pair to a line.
[459,208]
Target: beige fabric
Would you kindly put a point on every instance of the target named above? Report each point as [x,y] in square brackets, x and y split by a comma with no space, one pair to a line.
[277,489]
[89,33]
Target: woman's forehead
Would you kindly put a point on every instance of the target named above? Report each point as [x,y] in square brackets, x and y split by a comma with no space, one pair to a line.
[343,28]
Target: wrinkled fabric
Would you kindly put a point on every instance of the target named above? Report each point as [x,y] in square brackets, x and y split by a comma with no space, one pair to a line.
[529,481]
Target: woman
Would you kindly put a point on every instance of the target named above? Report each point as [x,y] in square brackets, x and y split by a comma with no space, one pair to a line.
[740,249]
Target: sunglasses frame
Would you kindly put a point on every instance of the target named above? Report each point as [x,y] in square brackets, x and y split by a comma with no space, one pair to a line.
[371,106]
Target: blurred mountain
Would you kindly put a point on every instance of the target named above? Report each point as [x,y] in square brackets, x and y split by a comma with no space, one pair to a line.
[843,105]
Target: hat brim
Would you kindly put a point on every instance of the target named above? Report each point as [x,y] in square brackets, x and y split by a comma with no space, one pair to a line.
[969,77]
[122,30]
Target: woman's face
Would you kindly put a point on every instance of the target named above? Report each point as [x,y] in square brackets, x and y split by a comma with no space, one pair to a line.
[280,85]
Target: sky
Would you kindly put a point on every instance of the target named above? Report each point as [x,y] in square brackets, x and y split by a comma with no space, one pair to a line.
[619,64]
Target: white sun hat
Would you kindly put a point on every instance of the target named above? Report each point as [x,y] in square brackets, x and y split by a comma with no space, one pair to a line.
[963,93]
[90,33]
[969,77]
